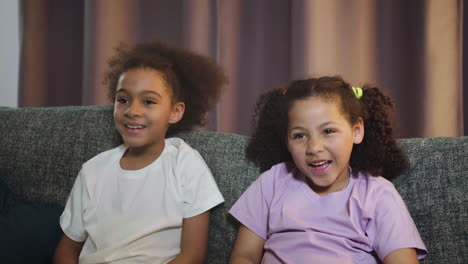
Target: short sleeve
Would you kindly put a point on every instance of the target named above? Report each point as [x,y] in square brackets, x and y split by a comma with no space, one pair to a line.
[71,220]
[199,190]
[392,227]
[252,208]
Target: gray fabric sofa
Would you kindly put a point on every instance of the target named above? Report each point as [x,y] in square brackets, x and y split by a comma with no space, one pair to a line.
[42,150]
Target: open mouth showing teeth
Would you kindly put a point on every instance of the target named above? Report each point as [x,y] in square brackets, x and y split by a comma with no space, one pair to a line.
[133,127]
[318,164]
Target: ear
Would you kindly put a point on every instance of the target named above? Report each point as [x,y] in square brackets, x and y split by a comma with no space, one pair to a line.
[358,131]
[178,110]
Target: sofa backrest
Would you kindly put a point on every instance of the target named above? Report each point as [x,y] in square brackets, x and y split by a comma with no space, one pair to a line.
[435,190]
[42,150]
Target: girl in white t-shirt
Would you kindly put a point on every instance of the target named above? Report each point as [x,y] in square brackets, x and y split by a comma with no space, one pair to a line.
[322,145]
[148,200]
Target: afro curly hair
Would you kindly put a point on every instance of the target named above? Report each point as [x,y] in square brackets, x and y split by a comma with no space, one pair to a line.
[378,154]
[195,79]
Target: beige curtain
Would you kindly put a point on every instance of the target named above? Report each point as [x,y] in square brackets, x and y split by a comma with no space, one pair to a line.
[413,49]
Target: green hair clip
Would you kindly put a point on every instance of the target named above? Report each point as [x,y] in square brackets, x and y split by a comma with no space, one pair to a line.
[358,92]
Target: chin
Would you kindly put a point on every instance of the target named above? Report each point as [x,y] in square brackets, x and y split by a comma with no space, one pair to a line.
[321,183]
[132,144]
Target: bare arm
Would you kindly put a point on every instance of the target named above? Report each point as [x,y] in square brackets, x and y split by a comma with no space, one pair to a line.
[194,239]
[248,247]
[67,251]
[402,256]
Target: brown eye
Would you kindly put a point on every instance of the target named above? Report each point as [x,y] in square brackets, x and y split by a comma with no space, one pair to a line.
[298,136]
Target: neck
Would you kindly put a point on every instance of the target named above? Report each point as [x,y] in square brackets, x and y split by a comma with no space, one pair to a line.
[138,158]
[322,191]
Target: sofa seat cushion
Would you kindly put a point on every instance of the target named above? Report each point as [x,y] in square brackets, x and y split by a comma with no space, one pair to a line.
[29,231]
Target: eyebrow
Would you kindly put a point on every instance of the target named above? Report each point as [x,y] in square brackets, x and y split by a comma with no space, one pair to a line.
[123,90]
[320,126]
[296,127]
[327,123]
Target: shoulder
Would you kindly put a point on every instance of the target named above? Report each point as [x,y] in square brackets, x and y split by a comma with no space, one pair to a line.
[388,223]
[100,166]
[178,148]
[370,184]
[279,171]
[253,206]
[177,143]
[278,177]
[105,158]
[375,192]
[182,157]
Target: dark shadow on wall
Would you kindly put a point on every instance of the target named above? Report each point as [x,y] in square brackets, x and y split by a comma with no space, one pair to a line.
[465,69]
[51,53]
[403,75]
[65,56]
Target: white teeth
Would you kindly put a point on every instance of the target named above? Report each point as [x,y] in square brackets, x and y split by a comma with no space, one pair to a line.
[319,163]
[134,127]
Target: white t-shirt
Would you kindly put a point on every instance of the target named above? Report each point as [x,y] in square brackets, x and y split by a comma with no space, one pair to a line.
[136,216]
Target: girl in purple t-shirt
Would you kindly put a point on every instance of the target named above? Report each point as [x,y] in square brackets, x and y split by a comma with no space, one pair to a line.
[322,202]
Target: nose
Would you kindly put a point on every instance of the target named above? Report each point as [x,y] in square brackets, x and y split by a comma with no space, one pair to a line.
[133,110]
[314,145]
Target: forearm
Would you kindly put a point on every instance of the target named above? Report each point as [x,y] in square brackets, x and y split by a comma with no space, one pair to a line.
[67,251]
[241,260]
[66,257]
[188,259]
[248,248]
[194,242]
[402,256]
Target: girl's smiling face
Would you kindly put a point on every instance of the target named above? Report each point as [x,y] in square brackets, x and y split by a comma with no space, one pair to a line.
[320,140]
[144,109]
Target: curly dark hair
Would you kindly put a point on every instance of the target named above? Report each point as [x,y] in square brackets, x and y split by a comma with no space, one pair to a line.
[378,153]
[195,79]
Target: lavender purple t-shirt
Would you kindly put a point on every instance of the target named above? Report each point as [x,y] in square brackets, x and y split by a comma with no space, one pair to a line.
[366,220]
